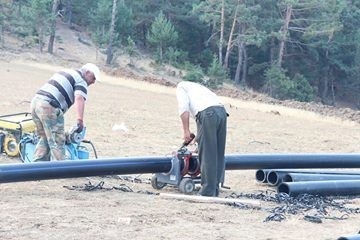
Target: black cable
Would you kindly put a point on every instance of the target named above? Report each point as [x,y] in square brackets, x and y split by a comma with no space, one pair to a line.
[92,145]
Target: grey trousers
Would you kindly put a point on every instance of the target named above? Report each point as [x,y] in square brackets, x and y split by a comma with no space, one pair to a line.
[211,138]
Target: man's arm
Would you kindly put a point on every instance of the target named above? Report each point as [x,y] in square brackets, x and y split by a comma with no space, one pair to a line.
[79,105]
[185,119]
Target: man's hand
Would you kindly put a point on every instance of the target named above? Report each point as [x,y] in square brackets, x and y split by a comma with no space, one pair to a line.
[188,137]
[79,126]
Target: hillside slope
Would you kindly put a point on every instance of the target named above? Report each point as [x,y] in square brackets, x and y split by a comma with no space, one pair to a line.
[74,47]
[130,118]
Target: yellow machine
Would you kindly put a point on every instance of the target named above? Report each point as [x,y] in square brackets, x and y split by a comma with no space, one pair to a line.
[12,129]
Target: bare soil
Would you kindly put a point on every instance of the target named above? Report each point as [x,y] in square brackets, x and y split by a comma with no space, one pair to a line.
[126,117]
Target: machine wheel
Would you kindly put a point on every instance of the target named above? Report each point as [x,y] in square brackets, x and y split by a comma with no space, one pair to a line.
[155,184]
[11,147]
[186,185]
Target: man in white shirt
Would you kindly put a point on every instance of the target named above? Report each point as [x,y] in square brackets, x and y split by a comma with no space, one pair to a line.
[199,102]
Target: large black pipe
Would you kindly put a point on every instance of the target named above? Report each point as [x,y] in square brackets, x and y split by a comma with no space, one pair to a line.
[324,188]
[292,160]
[136,165]
[304,177]
[82,168]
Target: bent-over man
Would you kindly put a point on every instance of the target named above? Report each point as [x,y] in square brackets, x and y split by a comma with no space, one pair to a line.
[64,89]
[211,118]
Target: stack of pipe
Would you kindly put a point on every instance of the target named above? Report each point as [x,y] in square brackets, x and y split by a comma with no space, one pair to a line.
[316,174]
[311,181]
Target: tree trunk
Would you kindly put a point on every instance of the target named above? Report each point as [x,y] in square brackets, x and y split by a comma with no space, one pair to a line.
[222,23]
[229,44]
[273,50]
[283,32]
[69,11]
[244,68]
[161,52]
[53,26]
[240,44]
[333,100]
[240,62]
[324,91]
[110,53]
[2,38]
[41,39]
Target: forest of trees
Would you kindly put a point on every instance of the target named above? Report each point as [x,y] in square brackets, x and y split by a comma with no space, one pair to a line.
[289,49]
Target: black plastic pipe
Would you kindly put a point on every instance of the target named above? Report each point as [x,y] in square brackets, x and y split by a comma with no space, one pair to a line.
[314,170]
[303,177]
[350,237]
[136,165]
[261,175]
[324,188]
[82,168]
[274,178]
[292,160]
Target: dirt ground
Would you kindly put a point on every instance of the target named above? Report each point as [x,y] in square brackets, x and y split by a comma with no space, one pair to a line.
[130,118]
[48,209]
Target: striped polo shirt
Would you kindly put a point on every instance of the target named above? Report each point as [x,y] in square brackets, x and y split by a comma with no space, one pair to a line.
[62,87]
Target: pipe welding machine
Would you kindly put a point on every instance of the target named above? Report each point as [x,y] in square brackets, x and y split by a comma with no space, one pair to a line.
[184,172]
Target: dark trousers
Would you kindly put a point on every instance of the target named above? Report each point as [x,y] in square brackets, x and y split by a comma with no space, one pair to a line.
[211,138]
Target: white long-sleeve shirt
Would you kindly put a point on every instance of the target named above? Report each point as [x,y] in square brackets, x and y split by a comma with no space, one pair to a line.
[194,97]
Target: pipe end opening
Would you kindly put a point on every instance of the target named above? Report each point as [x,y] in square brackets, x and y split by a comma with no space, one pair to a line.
[287,178]
[284,188]
[273,178]
[260,176]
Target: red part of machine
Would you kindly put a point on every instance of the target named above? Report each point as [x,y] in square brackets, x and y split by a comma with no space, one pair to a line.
[190,165]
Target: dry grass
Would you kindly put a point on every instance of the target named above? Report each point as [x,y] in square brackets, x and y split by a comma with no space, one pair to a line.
[46,210]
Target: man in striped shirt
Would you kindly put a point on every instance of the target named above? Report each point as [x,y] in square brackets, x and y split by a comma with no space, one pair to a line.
[211,119]
[64,89]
